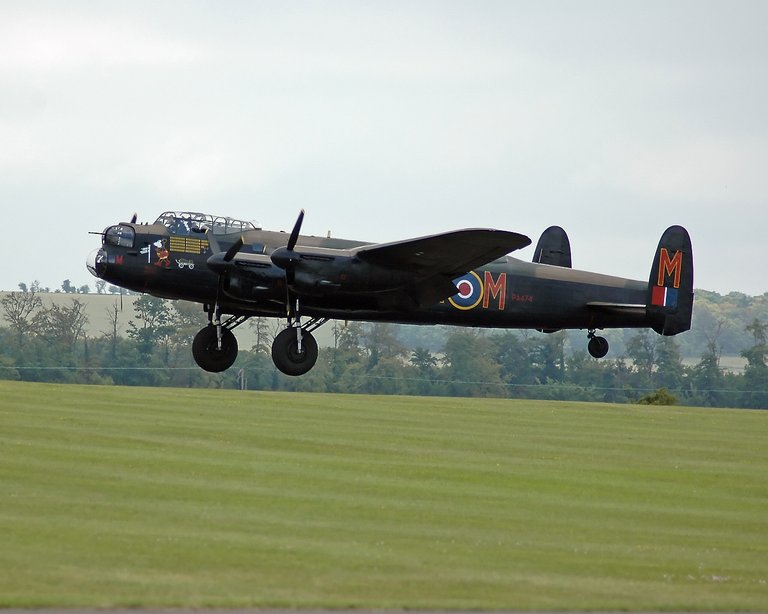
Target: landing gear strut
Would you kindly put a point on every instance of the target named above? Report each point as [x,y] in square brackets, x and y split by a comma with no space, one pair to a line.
[597,346]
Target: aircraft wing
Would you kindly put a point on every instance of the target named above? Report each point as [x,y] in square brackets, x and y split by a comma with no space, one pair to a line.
[450,254]
[437,259]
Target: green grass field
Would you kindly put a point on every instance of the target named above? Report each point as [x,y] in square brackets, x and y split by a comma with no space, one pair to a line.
[189,498]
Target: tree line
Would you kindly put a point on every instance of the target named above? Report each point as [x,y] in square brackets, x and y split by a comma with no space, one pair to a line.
[49,343]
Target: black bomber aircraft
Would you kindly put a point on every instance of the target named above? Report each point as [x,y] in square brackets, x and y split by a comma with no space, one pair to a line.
[464,277]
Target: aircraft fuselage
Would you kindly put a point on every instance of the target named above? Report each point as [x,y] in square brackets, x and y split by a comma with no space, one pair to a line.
[507,293]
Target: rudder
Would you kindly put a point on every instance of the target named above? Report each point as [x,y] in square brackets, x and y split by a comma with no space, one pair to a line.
[670,287]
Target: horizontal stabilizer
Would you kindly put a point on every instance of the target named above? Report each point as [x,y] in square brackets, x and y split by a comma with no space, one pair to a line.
[622,308]
[601,305]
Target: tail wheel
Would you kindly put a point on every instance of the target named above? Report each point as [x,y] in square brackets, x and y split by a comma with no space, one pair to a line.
[206,352]
[597,346]
[287,356]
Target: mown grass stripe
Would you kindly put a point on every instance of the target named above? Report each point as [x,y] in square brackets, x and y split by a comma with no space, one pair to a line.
[157,497]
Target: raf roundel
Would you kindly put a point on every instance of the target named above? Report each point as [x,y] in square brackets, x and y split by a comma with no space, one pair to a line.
[470,291]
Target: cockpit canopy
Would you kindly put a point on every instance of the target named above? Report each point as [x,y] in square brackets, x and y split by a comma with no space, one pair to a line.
[186,222]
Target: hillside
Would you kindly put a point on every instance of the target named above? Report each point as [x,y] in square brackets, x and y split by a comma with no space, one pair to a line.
[100,307]
[716,317]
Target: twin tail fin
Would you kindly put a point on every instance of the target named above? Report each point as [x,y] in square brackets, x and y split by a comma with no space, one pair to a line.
[670,286]
[553,248]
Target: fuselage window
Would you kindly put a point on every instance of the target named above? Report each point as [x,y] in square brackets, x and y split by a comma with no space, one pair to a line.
[122,236]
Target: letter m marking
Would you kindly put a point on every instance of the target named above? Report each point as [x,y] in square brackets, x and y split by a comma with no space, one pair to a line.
[669,267]
[496,289]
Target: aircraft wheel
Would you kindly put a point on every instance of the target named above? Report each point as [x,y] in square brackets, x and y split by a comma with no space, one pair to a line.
[286,356]
[598,347]
[206,352]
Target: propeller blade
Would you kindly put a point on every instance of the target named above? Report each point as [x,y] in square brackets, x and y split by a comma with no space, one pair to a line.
[232,251]
[212,242]
[295,232]
[219,260]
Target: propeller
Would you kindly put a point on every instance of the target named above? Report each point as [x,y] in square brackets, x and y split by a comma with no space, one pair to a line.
[285,257]
[219,260]
[219,263]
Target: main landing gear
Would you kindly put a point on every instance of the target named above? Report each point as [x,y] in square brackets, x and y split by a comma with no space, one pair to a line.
[294,350]
[597,346]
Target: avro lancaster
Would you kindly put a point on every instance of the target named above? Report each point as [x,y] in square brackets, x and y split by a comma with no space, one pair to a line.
[466,277]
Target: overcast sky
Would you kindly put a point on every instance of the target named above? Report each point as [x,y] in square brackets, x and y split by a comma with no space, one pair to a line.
[387,120]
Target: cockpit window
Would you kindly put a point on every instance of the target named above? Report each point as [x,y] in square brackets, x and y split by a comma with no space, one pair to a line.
[122,236]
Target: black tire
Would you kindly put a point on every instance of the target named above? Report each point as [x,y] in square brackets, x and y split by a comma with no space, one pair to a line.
[206,352]
[598,347]
[286,356]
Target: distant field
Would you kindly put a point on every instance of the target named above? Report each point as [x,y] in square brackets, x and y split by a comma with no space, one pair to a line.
[176,498]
